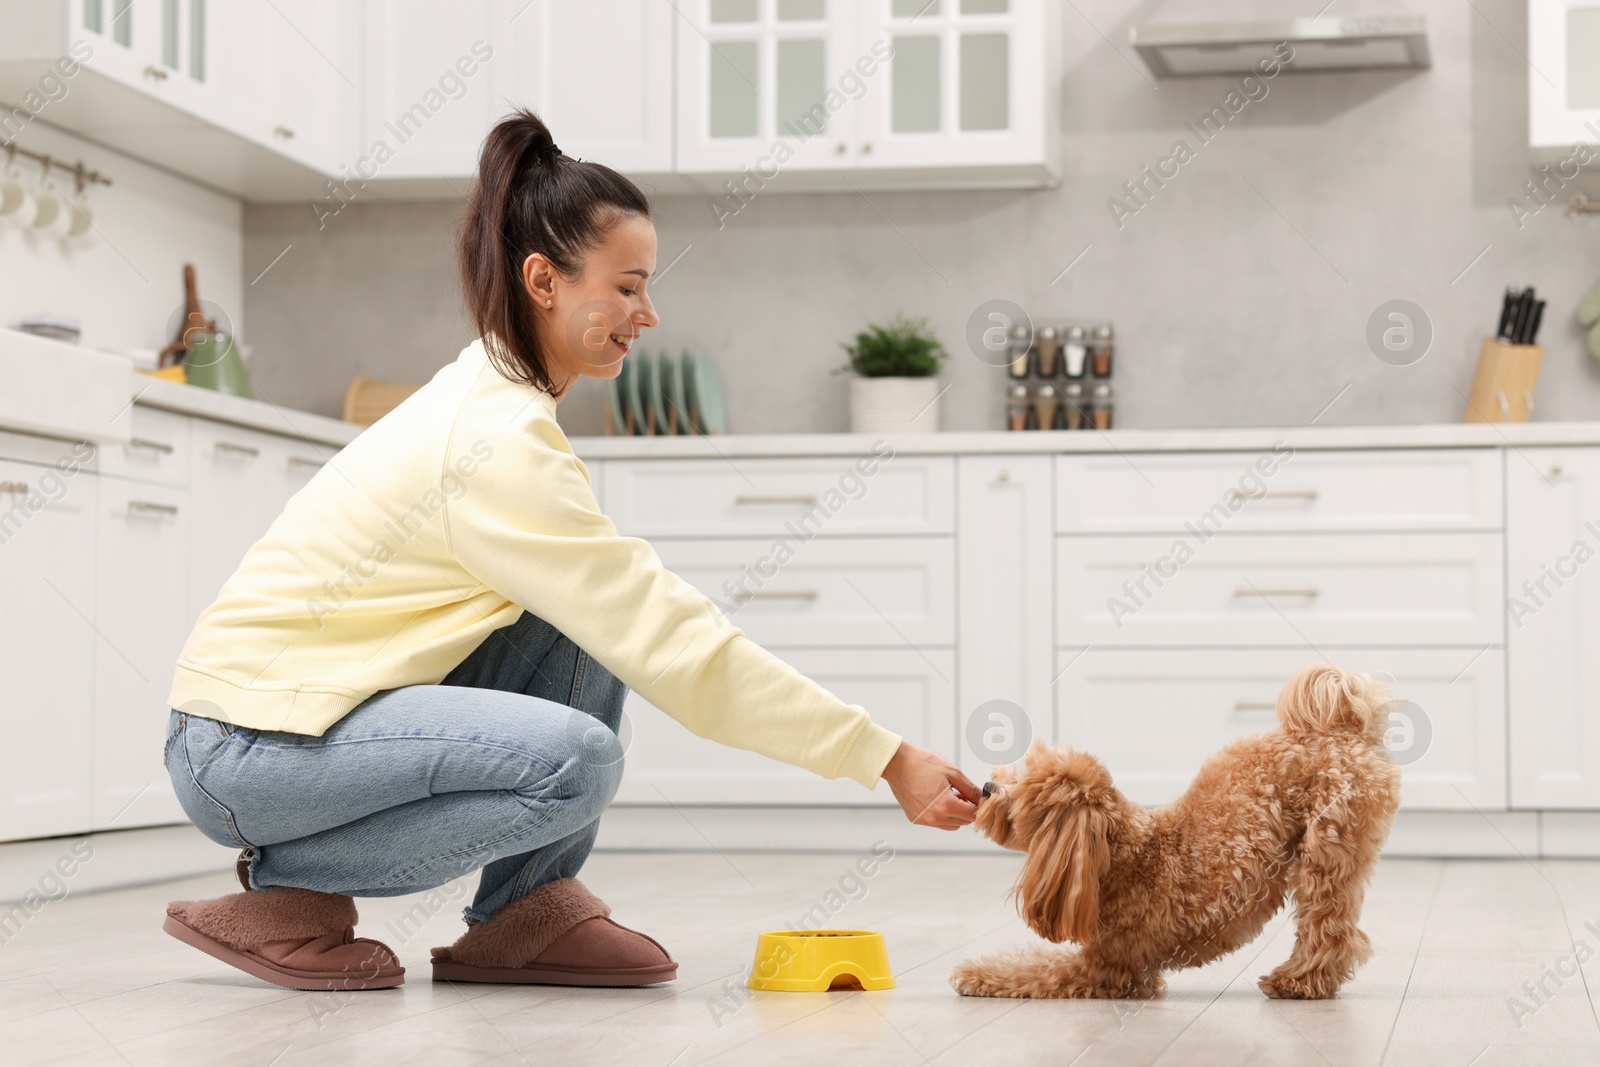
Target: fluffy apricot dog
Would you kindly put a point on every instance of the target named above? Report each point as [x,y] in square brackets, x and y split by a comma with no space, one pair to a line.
[1302,810]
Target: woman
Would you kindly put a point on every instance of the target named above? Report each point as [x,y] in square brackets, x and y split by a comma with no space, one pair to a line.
[419,670]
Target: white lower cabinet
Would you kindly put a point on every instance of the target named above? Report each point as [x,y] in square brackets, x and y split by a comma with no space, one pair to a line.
[1155,715]
[1005,644]
[1553,626]
[230,471]
[838,592]
[142,615]
[910,691]
[47,576]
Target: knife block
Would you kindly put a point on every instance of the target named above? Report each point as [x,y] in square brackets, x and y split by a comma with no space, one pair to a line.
[1502,389]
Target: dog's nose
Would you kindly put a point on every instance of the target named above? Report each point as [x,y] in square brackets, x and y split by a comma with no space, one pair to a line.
[988,788]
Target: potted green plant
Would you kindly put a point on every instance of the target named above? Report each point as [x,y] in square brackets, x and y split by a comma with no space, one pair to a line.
[895,389]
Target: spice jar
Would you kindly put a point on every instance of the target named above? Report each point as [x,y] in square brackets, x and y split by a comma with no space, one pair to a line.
[1075,353]
[1017,407]
[1045,406]
[1101,405]
[1021,342]
[1049,347]
[1073,406]
[1101,350]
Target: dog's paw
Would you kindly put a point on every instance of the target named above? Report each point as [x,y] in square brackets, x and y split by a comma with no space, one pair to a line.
[970,980]
[1280,986]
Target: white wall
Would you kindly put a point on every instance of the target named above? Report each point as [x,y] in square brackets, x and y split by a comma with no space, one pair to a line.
[125,286]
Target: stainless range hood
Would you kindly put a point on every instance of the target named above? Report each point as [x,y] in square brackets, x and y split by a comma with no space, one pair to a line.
[1177,49]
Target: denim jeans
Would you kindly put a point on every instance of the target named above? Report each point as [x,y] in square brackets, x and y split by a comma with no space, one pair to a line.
[506,766]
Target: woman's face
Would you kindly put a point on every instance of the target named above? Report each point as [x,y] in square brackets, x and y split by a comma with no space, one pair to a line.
[588,323]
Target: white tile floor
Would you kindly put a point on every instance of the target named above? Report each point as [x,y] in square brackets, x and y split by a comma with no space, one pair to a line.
[92,980]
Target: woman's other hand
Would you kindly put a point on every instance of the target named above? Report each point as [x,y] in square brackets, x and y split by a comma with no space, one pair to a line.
[931,789]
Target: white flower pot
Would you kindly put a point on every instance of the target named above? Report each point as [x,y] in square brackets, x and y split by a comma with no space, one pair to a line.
[894,405]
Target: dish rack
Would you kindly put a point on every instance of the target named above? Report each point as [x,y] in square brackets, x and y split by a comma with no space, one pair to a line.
[660,395]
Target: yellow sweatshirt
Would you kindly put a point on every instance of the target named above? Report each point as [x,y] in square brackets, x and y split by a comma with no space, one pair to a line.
[447,519]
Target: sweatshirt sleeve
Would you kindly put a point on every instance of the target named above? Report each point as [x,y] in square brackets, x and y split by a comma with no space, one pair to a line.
[528,526]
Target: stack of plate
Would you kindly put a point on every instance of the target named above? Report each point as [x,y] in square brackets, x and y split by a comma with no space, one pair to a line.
[661,394]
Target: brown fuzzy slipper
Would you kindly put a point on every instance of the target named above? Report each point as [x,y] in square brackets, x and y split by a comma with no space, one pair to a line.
[297,938]
[560,934]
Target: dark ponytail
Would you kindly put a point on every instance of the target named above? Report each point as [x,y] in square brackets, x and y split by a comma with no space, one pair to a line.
[530,198]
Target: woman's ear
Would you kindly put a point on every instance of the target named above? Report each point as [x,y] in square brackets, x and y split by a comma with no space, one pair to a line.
[539,280]
[1059,891]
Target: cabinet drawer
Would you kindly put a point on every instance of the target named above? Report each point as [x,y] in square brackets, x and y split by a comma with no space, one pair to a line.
[798,498]
[158,451]
[1155,716]
[909,692]
[890,592]
[1444,489]
[1263,589]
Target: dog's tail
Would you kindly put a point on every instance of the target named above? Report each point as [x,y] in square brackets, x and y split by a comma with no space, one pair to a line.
[1323,699]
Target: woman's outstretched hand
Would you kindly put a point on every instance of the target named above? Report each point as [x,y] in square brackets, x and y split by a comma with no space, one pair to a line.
[930,788]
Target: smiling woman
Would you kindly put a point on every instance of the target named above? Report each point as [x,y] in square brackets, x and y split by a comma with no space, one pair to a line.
[419,671]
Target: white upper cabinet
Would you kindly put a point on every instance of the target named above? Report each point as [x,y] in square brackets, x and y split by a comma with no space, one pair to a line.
[437,79]
[162,47]
[1563,75]
[966,84]
[894,92]
[759,86]
[599,72]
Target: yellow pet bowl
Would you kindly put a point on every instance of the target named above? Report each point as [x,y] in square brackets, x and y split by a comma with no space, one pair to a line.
[814,961]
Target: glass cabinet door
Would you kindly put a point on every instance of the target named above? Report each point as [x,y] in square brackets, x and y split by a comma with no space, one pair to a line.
[964,87]
[1563,76]
[767,84]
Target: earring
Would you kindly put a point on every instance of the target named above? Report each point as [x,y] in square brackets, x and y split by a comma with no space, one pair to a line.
[549,303]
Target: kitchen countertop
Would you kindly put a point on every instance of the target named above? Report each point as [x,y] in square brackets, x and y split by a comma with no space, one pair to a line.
[256,414]
[1252,439]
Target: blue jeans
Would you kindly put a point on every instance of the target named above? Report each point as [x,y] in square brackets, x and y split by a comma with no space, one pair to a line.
[505,766]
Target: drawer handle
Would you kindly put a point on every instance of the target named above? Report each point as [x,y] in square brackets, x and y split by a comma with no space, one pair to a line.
[144,507]
[243,450]
[14,487]
[798,594]
[801,500]
[153,446]
[305,461]
[284,132]
[1253,705]
[1266,593]
[1308,495]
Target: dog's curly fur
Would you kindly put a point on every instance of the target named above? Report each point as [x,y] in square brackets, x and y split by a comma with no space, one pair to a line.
[1302,810]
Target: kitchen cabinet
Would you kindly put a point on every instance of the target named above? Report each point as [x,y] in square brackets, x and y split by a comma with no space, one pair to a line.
[600,75]
[47,592]
[1154,716]
[1005,638]
[163,48]
[232,470]
[1553,626]
[291,77]
[142,616]
[909,691]
[1563,80]
[897,91]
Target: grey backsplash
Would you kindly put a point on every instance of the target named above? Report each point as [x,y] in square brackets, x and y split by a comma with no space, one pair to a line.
[1240,291]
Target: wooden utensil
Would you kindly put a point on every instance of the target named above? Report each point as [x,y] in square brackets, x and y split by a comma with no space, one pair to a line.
[194,319]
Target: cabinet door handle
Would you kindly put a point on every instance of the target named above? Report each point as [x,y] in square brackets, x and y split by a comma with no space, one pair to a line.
[802,500]
[284,132]
[306,461]
[1266,593]
[155,73]
[243,450]
[866,148]
[153,446]
[1307,495]
[1240,706]
[144,507]
[20,488]
[798,594]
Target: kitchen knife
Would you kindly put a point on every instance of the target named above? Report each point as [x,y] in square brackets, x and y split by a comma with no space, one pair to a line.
[1531,334]
[1505,315]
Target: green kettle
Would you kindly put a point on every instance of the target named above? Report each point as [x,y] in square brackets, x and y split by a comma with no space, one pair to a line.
[213,363]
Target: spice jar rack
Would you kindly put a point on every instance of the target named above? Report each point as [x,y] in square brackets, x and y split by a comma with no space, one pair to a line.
[1060,375]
